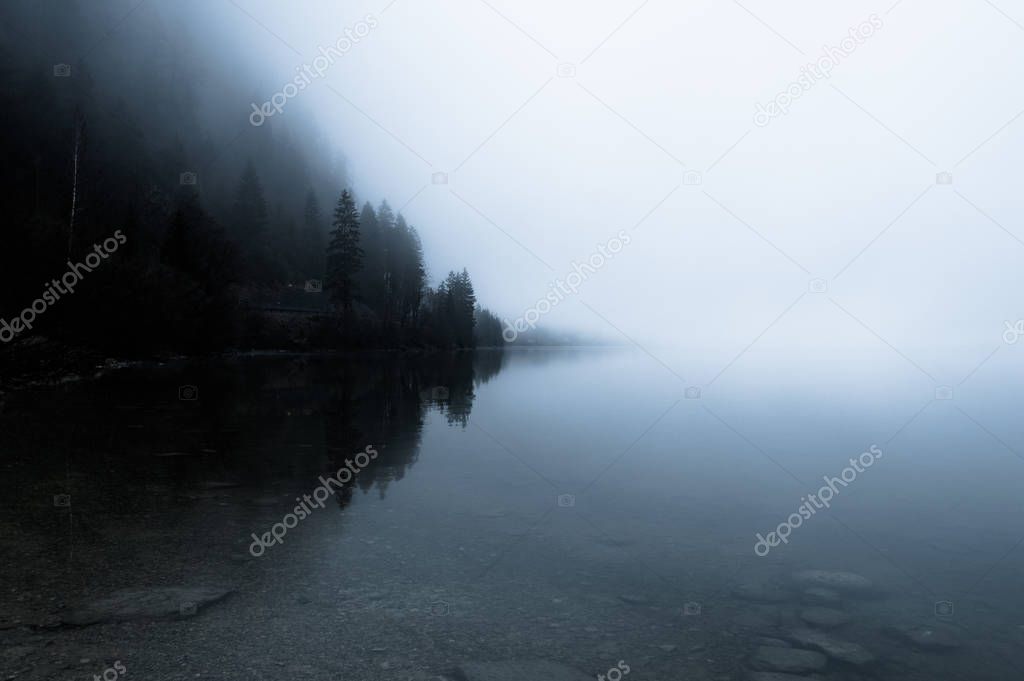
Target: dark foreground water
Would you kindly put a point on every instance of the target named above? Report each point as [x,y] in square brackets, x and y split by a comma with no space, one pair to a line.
[579,506]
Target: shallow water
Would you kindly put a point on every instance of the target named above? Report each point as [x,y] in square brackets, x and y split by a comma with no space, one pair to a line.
[572,505]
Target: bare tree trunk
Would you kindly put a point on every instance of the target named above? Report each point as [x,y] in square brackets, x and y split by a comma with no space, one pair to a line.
[74,183]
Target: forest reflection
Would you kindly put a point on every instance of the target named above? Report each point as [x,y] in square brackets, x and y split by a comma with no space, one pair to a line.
[266,424]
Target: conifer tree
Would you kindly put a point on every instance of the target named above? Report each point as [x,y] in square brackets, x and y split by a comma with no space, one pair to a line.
[312,237]
[250,210]
[344,256]
[371,280]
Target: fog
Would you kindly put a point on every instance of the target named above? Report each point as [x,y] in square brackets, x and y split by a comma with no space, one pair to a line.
[557,126]
[557,311]
[542,168]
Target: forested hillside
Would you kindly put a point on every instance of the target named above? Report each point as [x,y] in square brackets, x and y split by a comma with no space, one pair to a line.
[221,220]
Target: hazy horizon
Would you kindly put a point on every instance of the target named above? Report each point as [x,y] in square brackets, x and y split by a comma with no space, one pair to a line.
[543,168]
[269,407]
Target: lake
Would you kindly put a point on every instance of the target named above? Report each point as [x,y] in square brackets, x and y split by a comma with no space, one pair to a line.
[586,506]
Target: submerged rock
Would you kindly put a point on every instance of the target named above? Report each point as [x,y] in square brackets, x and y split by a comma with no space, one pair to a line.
[517,670]
[777,676]
[154,603]
[818,595]
[826,618]
[772,642]
[790,660]
[928,638]
[843,651]
[843,582]
[634,599]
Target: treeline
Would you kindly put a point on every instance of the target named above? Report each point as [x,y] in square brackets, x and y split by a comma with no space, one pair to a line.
[146,132]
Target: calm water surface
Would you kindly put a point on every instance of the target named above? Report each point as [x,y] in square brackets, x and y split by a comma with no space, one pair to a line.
[574,505]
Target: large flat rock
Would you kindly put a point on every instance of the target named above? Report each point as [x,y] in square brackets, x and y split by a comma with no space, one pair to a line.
[818,595]
[844,651]
[929,638]
[843,582]
[778,676]
[518,670]
[789,660]
[140,604]
[826,618]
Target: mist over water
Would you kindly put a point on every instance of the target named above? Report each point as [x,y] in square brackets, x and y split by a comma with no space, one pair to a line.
[574,491]
[470,340]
